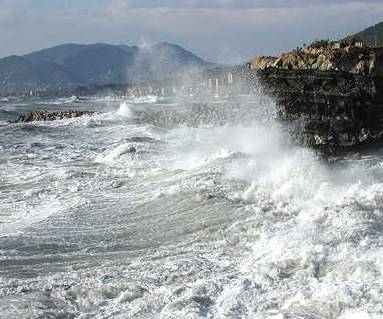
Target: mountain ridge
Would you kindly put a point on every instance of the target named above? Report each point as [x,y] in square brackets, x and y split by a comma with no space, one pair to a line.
[372,36]
[99,63]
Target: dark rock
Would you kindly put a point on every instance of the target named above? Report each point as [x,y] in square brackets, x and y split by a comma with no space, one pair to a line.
[49,116]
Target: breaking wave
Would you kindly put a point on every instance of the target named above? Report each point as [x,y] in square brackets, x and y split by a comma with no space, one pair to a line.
[185,210]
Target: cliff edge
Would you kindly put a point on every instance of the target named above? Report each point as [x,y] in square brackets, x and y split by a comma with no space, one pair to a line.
[353,58]
[333,91]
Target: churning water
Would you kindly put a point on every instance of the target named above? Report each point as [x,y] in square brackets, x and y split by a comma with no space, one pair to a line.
[183,209]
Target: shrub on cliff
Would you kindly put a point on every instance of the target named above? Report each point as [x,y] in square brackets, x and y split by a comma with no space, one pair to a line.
[318,44]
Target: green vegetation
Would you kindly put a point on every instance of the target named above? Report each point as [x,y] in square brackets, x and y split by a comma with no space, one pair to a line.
[315,44]
[372,37]
[318,44]
[326,43]
[298,50]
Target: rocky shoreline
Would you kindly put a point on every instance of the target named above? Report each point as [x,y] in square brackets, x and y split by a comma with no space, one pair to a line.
[49,116]
[332,95]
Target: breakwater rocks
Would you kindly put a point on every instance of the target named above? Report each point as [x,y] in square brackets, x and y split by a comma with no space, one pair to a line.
[334,94]
[49,116]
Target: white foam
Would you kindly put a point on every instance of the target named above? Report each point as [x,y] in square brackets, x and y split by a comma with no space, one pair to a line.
[147,99]
[22,216]
[124,110]
[288,236]
[113,155]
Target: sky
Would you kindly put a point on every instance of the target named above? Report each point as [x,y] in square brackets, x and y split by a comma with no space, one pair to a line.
[225,31]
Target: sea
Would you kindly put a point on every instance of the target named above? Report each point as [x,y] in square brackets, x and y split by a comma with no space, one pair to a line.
[183,207]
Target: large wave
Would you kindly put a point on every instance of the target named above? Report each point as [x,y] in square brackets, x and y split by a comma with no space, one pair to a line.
[200,208]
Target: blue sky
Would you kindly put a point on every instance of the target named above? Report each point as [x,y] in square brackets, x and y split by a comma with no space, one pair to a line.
[219,30]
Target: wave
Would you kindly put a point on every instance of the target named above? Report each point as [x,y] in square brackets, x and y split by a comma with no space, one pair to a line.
[62,101]
[217,214]
[124,110]
[113,155]
[148,99]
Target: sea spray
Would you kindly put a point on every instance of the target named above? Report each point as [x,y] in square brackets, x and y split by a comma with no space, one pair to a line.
[222,215]
[124,110]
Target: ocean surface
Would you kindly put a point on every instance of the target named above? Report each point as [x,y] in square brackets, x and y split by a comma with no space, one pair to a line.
[183,208]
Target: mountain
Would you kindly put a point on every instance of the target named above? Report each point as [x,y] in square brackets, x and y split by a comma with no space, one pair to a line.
[94,63]
[76,64]
[372,36]
[163,60]
[20,74]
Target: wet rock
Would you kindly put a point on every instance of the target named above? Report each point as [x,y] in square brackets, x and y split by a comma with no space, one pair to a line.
[49,116]
[132,150]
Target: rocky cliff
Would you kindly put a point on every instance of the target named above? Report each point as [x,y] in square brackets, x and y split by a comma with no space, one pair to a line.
[354,59]
[333,95]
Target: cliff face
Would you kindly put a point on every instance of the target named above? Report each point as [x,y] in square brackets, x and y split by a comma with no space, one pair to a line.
[336,95]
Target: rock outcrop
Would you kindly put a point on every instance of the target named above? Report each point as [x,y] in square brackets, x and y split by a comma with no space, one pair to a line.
[49,116]
[333,95]
[354,59]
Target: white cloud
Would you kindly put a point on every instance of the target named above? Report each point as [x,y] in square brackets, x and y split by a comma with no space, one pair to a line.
[232,4]
[223,33]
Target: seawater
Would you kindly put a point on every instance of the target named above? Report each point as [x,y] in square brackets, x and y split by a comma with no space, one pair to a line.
[217,214]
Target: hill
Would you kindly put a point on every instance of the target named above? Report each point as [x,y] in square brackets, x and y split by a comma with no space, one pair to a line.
[75,64]
[20,74]
[372,36]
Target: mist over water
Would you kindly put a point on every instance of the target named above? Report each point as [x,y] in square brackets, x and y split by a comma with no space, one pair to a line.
[183,208]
